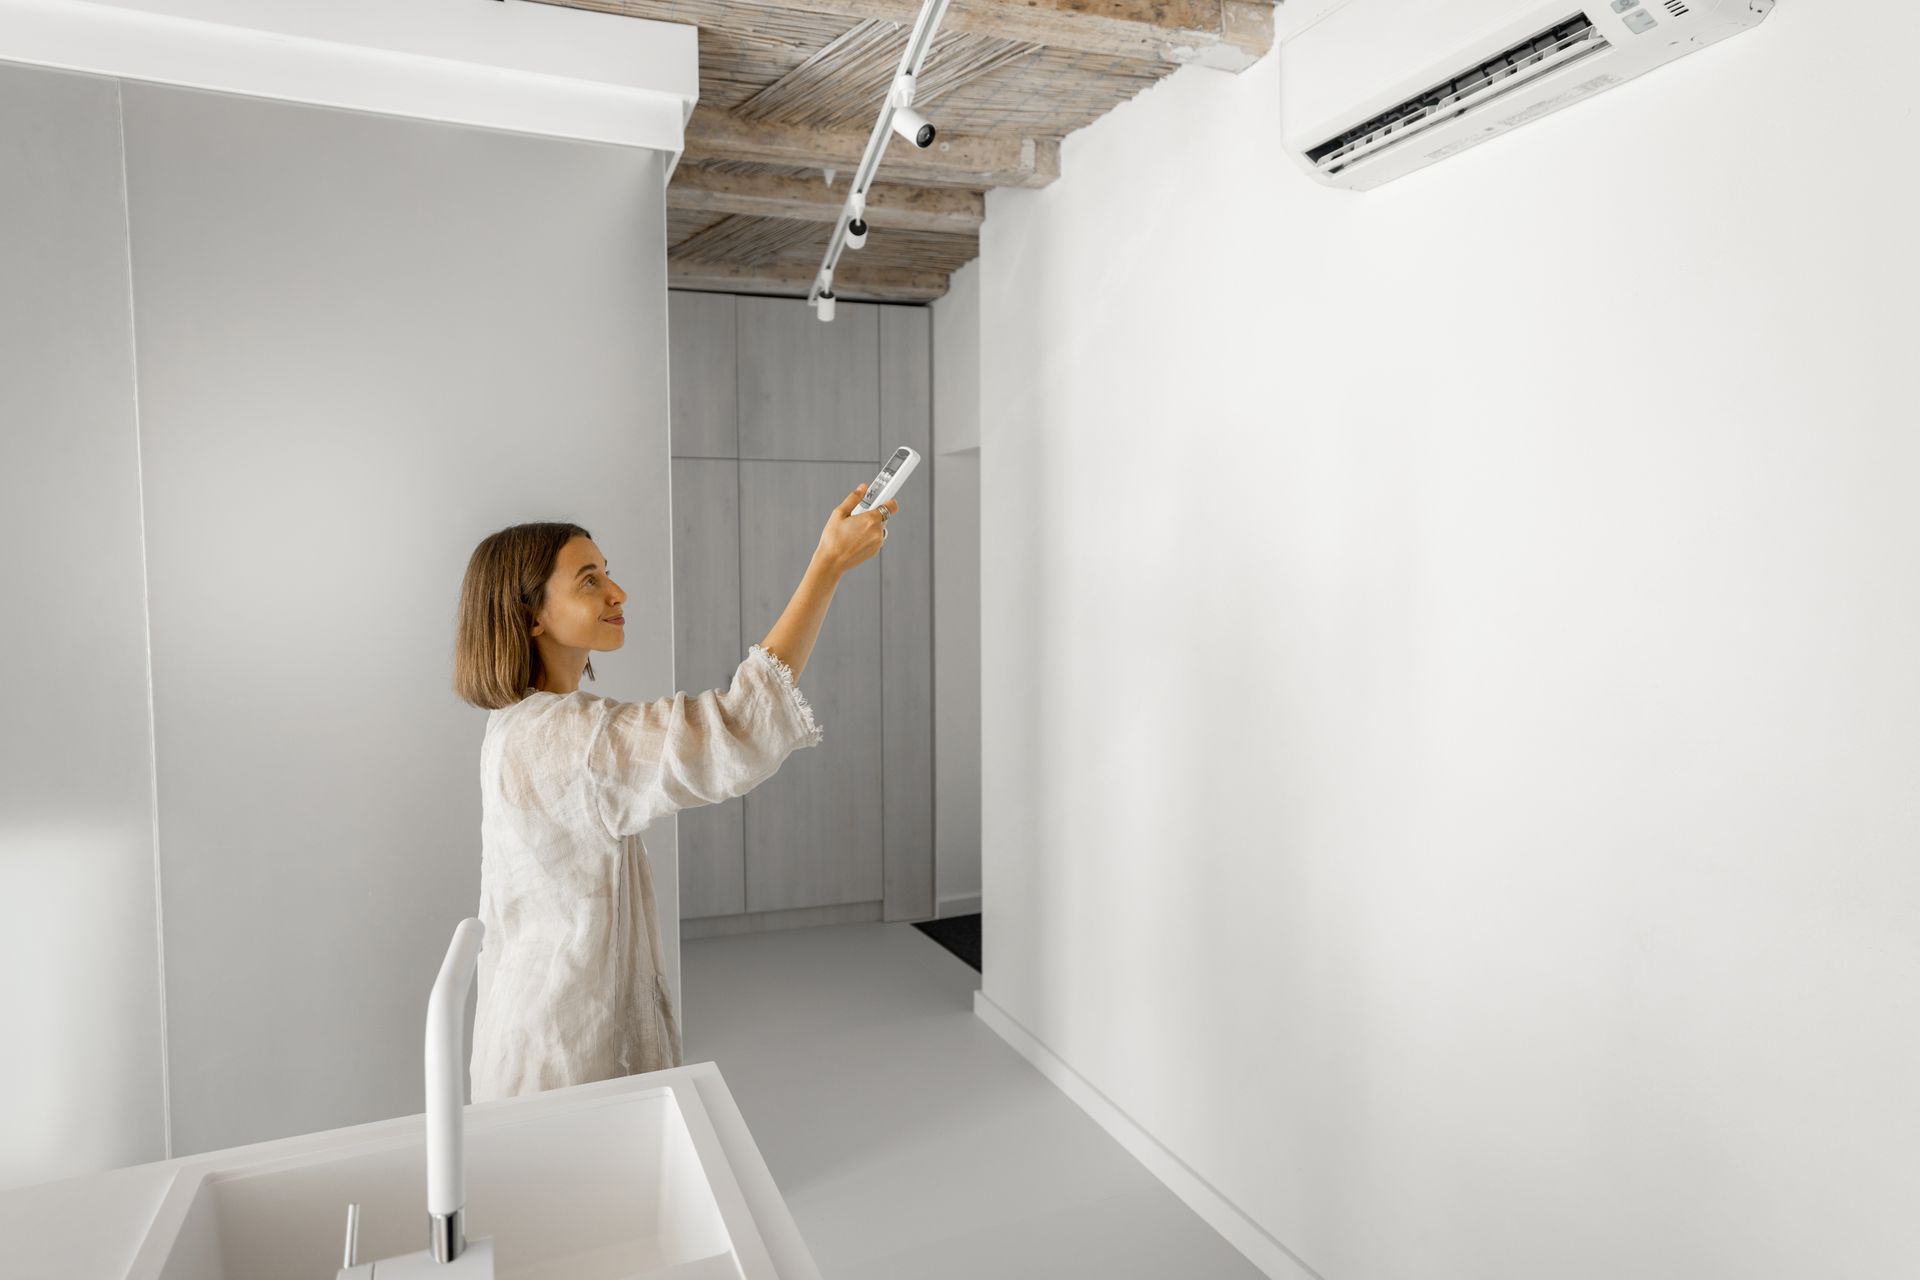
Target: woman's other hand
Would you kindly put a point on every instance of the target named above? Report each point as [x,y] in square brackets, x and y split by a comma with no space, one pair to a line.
[851,539]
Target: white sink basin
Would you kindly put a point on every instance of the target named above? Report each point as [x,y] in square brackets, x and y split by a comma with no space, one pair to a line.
[597,1186]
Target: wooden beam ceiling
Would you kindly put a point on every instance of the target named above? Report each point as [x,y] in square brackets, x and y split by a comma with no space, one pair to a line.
[841,86]
[789,88]
[851,281]
[1229,34]
[975,162]
[766,195]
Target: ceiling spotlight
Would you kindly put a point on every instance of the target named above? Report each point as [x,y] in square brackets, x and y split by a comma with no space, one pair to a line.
[913,126]
[857,225]
[897,117]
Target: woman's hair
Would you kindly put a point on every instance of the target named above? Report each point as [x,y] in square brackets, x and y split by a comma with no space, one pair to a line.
[495,659]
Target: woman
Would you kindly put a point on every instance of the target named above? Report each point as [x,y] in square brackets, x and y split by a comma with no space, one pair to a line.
[572,987]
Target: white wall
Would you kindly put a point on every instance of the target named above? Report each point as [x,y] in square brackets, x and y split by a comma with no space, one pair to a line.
[80,1076]
[956,594]
[363,343]
[1450,697]
[362,348]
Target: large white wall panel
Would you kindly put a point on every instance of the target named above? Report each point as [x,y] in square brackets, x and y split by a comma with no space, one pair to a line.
[1449,667]
[80,1062]
[364,344]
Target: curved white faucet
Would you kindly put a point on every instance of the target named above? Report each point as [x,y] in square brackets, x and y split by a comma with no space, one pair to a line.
[450,1255]
[446,1087]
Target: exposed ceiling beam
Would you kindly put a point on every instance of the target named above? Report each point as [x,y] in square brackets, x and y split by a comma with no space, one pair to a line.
[976,162]
[1229,34]
[794,280]
[768,195]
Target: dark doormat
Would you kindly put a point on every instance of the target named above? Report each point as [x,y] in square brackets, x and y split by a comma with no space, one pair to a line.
[958,934]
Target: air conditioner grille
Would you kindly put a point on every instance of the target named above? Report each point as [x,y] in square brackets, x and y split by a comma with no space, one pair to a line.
[1558,46]
[1676,7]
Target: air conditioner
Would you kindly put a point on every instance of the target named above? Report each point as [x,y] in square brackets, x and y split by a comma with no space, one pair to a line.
[1372,89]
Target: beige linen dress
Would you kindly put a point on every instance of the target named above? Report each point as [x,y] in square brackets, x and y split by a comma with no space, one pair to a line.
[571,981]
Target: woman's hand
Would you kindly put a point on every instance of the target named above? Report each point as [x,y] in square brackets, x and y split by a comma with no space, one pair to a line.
[848,539]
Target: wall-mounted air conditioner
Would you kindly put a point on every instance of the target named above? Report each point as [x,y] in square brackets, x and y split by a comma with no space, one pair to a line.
[1372,89]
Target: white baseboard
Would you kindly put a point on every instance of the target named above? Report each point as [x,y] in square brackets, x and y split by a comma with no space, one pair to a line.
[957,904]
[1274,1259]
[698,927]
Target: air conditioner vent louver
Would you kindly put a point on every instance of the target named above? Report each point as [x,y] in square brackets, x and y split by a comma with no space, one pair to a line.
[1372,90]
[1559,46]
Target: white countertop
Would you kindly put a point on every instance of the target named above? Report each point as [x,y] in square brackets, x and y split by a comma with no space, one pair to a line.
[91,1226]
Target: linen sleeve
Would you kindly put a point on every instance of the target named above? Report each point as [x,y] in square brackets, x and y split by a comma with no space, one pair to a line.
[649,759]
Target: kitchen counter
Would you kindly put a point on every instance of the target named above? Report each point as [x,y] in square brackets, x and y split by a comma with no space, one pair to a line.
[91,1226]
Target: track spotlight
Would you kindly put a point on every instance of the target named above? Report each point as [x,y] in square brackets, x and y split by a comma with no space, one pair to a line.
[913,126]
[857,223]
[897,116]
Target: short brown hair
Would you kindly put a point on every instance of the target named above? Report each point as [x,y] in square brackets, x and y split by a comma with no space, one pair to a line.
[495,659]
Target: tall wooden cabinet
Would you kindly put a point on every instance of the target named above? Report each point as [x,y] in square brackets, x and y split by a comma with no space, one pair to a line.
[776,416]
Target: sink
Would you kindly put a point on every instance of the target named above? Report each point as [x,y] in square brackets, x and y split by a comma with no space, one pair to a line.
[572,1184]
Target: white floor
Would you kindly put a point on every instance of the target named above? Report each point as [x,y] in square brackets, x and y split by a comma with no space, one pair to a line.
[909,1140]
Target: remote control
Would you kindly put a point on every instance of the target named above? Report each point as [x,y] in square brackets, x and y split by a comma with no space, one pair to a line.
[888,482]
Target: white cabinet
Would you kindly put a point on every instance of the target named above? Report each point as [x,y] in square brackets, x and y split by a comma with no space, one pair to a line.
[776,418]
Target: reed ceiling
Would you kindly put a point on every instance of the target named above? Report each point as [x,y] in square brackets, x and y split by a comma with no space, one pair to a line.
[791,89]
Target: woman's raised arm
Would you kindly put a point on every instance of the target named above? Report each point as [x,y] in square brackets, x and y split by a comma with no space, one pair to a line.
[847,540]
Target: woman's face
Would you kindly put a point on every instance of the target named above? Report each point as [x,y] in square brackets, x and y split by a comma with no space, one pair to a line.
[583,605]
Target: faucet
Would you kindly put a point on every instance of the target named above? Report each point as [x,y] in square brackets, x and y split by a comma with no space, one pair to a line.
[449,1255]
